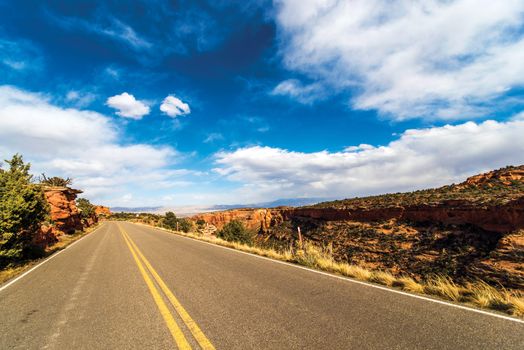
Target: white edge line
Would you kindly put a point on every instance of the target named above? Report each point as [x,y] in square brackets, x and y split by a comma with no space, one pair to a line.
[47,259]
[508,318]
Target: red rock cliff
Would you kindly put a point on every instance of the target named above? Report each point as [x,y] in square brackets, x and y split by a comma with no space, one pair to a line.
[64,212]
[502,219]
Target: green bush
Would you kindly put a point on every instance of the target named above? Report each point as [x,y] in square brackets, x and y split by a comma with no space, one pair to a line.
[22,210]
[170,220]
[87,209]
[234,231]
[185,225]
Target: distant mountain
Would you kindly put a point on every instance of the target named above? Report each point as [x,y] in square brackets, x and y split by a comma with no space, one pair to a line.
[135,209]
[191,210]
[284,202]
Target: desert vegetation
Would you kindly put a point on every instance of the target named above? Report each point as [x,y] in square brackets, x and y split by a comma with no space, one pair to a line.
[23,209]
[55,181]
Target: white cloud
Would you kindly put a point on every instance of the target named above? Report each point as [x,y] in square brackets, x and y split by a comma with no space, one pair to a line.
[419,158]
[80,99]
[407,59]
[214,136]
[128,106]
[84,145]
[173,106]
[110,27]
[20,56]
[295,89]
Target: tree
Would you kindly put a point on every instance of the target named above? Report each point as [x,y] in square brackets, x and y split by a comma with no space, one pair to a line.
[234,231]
[55,181]
[170,220]
[22,210]
[87,209]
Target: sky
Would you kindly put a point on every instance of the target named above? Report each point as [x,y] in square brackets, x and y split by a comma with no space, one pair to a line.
[172,103]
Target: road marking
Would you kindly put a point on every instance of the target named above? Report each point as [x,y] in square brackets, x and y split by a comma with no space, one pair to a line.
[176,332]
[471,309]
[49,258]
[200,337]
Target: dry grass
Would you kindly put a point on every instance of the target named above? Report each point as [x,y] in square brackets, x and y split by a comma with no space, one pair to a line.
[409,284]
[479,293]
[383,277]
[11,272]
[444,287]
[517,304]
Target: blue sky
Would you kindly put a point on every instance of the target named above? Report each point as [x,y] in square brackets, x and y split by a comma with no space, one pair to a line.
[207,102]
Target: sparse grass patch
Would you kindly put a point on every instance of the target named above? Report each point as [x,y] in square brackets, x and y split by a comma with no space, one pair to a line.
[484,295]
[444,287]
[409,284]
[383,277]
[517,305]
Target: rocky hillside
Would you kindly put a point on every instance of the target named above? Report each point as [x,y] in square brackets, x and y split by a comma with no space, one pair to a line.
[474,229]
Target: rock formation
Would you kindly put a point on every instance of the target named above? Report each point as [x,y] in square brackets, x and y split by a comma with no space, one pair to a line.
[100,211]
[64,213]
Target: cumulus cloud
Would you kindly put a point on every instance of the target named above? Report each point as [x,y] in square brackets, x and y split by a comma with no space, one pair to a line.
[128,106]
[295,89]
[173,106]
[84,145]
[419,158]
[431,59]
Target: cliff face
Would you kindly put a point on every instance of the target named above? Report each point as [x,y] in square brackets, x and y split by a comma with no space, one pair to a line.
[499,219]
[252,218]
[64,212]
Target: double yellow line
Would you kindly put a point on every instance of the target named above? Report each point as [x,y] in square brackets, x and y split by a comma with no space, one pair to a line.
[173,327]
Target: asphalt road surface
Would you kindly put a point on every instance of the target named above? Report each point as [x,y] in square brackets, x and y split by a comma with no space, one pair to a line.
[127,286]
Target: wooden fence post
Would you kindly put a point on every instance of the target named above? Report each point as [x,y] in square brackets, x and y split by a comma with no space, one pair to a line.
[300,241]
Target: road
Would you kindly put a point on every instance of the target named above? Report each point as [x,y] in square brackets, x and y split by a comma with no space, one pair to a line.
[128,286]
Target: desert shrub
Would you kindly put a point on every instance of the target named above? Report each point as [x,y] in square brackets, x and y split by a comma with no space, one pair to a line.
[185,225]
[22,210]
[234,231]
[201,223]
[55,181]
[87,209]
[170,220]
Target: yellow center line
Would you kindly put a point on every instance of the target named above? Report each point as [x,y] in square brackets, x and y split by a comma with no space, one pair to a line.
[200,337]
[176,332]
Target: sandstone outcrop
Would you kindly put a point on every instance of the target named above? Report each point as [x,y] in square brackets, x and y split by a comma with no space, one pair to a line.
[100,210]
[506,176]
[63,210]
